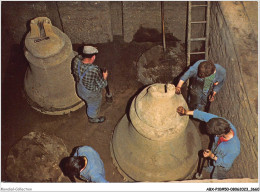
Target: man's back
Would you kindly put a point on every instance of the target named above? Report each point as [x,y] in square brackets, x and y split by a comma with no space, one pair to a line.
[92,79]
[94,170]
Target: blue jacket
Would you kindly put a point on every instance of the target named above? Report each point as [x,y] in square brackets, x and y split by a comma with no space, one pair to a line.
[193,72]
[94,170]
[225,151]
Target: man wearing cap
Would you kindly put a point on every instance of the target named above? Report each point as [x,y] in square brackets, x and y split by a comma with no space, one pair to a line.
[90,82]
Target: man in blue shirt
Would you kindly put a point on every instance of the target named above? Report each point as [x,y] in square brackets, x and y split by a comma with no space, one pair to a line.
[226,146]
[204,76]
[85,164]
[90,82]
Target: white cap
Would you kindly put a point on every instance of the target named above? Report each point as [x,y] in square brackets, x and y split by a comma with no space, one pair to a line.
[90,50]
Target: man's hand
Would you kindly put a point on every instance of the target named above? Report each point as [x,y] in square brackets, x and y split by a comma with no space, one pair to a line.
[212,96]
[181,111]
[207,153]
[105,74]
[178,90]
[178,87]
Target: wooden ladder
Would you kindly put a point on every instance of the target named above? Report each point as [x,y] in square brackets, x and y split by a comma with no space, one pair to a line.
[190,39]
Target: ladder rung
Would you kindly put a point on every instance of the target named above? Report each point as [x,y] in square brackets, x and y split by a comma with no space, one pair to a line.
[199,5]
[198,39]
[198,21]
[197,53]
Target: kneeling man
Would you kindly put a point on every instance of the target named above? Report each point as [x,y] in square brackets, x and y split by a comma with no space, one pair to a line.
[226,146]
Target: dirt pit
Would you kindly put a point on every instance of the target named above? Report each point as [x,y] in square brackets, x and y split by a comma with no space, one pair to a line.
[19,119]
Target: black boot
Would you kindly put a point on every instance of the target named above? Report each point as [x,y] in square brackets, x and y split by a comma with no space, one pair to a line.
[97,120]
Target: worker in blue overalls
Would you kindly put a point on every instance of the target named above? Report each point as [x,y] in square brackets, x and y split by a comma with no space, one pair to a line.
[206,79]
[226,145]
[85,164]
[90,82]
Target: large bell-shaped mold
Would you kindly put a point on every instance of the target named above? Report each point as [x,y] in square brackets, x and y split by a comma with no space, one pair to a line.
[48,83]
[153,142]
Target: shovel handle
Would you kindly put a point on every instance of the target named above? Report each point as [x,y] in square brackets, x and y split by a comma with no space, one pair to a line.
[202,165]
[107,87]
[107,90]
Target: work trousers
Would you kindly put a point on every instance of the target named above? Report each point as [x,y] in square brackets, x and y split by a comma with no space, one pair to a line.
[197,99]
[216,172]
[219,173]
[92,100]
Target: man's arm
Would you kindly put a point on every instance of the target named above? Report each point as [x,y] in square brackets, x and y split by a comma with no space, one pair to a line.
[222,73]
[100,80]
[178,87]
[192,71]
[75,63]
[98,178]
[225,161]
[182,111]
[203,116]
[218,85]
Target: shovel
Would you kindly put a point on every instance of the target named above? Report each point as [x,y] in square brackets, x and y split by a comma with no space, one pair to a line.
[198,175]
[211,93]
[109,98]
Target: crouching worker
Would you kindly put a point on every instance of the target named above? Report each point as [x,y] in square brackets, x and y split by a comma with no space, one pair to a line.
[85,164]
[206,79]
[226,145]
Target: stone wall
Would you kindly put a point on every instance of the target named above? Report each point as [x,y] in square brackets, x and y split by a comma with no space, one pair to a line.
[86,22]
[95,21]
[16,17]
[89,22]
[176,18]
[233,44]
[116,11]
[140,14]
